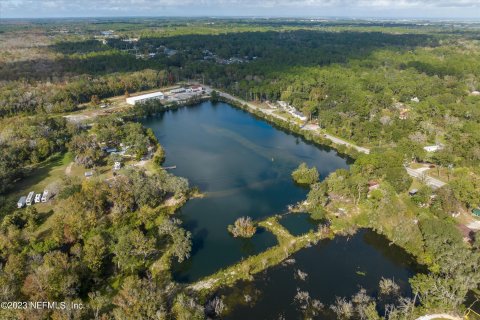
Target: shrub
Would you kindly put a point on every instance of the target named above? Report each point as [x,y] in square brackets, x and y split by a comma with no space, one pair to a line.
[243,227]
[305,175]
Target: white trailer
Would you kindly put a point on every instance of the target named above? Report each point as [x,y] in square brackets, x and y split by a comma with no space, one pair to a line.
[30,196]
[38,197]
[45,196]
[21,202]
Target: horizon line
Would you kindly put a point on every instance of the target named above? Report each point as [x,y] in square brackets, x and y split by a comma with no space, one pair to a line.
[233,17]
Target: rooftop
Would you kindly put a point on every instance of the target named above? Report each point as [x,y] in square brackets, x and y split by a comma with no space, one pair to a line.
[146,96]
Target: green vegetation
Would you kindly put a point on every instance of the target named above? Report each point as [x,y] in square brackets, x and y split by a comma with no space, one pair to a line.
[108,241]
[305,175]
[421,224]
[98,237]
[243,227]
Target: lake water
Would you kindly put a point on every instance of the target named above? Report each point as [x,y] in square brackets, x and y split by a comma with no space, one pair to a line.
[244,166]
[334,268]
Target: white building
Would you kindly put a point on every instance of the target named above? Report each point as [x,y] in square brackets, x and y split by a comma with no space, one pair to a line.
[195,89]
[144,97]
[117,165]
[178,90]
[415,99]
[433,148]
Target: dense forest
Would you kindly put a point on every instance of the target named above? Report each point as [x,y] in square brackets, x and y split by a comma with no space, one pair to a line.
[109,243]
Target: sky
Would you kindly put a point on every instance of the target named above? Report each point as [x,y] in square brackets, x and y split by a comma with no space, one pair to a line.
[457,9]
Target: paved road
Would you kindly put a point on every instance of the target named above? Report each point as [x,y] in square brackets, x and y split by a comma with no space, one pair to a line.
[416,173]
[421,175]
[438,316]
[336,140]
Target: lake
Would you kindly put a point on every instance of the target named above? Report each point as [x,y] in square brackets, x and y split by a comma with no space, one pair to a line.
[243,165]
[333,268]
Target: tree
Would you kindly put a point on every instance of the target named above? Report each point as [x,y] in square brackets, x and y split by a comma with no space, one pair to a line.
[214,96]
[94,252]
[305,175]
[318,195]
[95,101]
[54,280]
[186,308]
[132,250]
[86,150]
[140,299]
[181,245]
[343,308]
[243,227]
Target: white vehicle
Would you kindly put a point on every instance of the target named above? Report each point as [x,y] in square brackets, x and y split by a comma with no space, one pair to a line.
[45,196]
[38,197]
[21,202]
[30,198]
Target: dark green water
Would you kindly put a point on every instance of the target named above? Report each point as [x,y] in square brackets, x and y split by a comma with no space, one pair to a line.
[337,267]
[243,164]
[299,223]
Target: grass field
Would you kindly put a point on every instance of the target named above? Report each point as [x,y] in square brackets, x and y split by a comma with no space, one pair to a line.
[42,175]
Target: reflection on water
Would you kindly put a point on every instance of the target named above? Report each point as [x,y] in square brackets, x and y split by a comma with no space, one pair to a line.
[333,268]
[243,165]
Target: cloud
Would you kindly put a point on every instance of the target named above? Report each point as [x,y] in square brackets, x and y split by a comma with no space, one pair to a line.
[232,7]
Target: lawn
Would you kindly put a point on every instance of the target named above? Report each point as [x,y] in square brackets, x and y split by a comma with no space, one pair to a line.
[50,170]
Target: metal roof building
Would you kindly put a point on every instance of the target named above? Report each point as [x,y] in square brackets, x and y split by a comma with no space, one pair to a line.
[145,97]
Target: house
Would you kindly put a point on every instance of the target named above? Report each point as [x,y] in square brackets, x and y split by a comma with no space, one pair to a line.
[88,174]
[433,148]
[22,202]
[145,97]
[178,90]
[196,88]
[45,196]
[415,99]
[29,200]
[475,93]
[373,185]
[282,104]
[117,165]
[404,114]
[413,192]
[130,40]
[107,33]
